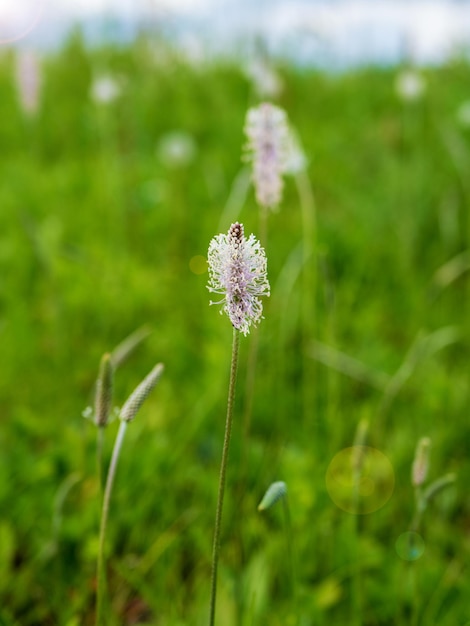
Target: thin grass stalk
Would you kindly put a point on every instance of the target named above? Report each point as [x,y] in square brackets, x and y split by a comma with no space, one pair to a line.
[222,475]
[309,281]
[101,578]
[244,461]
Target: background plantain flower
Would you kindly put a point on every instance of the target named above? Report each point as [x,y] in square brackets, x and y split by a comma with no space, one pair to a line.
[238,271]
[268,143]
[28,80]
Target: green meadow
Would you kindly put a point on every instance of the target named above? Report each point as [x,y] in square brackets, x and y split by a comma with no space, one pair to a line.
[106,213]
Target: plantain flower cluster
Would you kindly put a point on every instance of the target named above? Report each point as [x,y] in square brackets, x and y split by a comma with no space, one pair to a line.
[238,272]
[267,131]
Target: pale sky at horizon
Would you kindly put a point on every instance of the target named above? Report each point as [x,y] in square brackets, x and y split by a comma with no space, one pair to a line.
[20,17]
[430,27]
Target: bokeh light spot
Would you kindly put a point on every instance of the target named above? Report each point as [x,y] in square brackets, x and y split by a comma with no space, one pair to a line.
[198,264]
[410,546]
[360,479]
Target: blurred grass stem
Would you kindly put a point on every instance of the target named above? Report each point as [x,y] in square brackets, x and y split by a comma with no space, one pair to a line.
[307,205]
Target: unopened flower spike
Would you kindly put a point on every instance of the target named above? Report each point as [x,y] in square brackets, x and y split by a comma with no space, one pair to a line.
[268,144]
[128,412]
[104,391]
[140,393]
[238,272]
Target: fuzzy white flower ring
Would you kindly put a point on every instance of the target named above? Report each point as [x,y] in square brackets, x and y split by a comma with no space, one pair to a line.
[238,272]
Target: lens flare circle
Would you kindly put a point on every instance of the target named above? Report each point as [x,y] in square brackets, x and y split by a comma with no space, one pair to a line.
[18,19]
[410,546]
[360,480]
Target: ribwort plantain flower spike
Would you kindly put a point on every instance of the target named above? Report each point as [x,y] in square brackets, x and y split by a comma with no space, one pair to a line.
[238,272]
[268,148]
[140,393]
[104,391]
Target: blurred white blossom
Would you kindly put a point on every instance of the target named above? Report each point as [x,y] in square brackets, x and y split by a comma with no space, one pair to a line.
[177,148]
[28,80]
[105,89]
[410,85]
[267,148]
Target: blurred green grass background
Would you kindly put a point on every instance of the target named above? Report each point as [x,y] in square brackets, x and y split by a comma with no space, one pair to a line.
[99,229]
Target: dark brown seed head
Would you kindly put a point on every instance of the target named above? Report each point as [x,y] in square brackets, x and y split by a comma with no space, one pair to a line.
[236,232]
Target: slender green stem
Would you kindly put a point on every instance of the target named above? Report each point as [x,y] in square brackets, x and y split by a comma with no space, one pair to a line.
[244,461]
[99,457]
[101,579]
[309,280]
[223,471]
